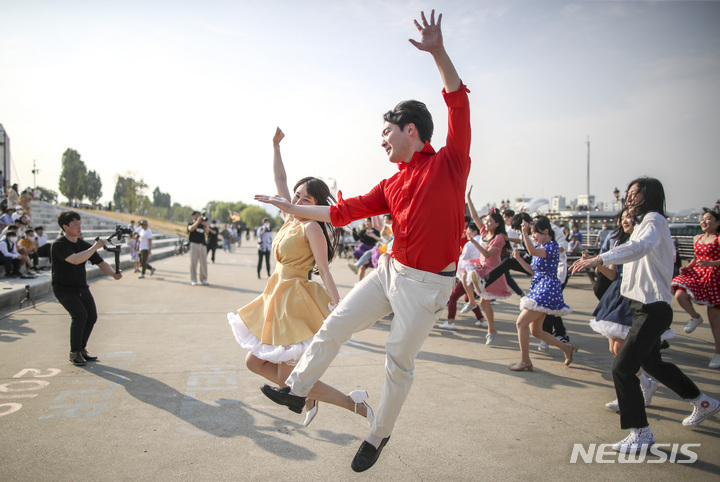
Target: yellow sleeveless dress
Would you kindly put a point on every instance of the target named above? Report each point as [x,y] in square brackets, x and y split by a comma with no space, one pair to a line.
[278,325]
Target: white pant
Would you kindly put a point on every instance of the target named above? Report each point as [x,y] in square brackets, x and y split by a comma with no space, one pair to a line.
[198,254]
[415,297]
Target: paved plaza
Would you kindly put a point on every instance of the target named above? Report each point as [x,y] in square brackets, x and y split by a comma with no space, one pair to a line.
[171,398]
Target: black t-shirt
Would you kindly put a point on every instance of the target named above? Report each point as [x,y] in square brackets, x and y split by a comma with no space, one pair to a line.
[197,236]
[68,275]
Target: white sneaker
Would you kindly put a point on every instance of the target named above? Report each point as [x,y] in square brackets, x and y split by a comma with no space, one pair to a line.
[613,405]
[692,324]
[445,324]
[703,408]
[649,391]
[715,362]
[489,338]
[205,283]
[193,283]
[543,346]
[467,308]
[481,323]
[638,438]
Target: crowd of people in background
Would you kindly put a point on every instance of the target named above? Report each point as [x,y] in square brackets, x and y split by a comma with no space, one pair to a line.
[21,244]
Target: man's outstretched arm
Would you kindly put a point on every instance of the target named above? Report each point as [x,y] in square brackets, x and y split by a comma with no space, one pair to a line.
[431,40]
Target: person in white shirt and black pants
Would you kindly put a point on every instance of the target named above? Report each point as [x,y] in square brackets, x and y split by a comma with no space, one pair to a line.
[648,258]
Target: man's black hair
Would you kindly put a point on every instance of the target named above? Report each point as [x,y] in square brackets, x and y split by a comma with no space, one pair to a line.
[412,112]
[66,217]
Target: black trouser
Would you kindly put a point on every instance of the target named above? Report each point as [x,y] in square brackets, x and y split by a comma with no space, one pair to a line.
[502,269]
[83,313]
[12,265]
[44,251]
[144,254]
[211,249]
[511,281]
[641,349]
[265,254]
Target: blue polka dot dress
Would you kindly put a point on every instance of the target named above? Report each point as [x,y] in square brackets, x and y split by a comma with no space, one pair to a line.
[545,288]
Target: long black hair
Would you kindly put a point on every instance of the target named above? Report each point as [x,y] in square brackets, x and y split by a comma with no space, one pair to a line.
[653,196]
[619,233]
[323,197]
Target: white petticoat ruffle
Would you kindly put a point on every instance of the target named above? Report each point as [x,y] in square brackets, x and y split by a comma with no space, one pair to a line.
[289,355]
[610,329]
[530,304]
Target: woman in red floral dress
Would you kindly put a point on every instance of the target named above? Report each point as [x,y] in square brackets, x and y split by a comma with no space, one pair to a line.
[699,281]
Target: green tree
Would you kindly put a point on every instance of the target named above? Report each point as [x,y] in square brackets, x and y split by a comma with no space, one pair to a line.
[161,199]
[221,210]
[129,192]
[72,176]
[252,216]
[93,187]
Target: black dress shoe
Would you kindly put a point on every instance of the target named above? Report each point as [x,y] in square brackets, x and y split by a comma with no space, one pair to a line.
[87,356]
[367,455]
[282,396]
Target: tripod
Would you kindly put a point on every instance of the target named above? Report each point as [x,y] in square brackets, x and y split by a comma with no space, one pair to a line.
[27,297]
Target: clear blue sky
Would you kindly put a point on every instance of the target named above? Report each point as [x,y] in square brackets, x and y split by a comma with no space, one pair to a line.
[187,94]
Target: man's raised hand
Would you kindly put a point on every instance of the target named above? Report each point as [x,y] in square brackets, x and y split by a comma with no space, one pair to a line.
[431,38]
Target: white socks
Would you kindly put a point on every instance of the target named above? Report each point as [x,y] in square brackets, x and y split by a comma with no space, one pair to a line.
[373,440]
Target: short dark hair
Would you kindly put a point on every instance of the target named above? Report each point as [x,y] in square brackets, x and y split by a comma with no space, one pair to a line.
[66,217]
[541,224]
[518,219]
[509,213]
[412,112]
[473,227]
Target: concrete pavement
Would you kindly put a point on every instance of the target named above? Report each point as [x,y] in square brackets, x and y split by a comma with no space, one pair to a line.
[171,398]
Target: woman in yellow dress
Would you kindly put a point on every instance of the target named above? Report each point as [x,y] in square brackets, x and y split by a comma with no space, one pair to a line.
[277,326]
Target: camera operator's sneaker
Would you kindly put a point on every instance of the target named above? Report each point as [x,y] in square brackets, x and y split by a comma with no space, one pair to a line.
[77,359]
[703,407]
[142,276]
[692,324]
[638,438]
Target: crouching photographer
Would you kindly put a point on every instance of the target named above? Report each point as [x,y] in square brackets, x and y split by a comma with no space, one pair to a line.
[69,281]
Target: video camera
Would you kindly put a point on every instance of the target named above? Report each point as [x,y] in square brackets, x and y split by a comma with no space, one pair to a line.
[120,233]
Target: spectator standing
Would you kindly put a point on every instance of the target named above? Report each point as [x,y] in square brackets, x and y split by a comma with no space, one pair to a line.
[198,248]
[264,235]
[13,195]
[212,239]
[146,236]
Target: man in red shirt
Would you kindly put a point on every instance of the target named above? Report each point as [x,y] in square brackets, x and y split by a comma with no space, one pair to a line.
[426,200]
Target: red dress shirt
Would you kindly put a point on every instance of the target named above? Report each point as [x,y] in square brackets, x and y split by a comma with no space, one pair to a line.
[426,197]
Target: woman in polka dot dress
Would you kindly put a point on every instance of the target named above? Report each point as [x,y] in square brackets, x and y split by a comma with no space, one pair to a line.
[545,295]
[699,281]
